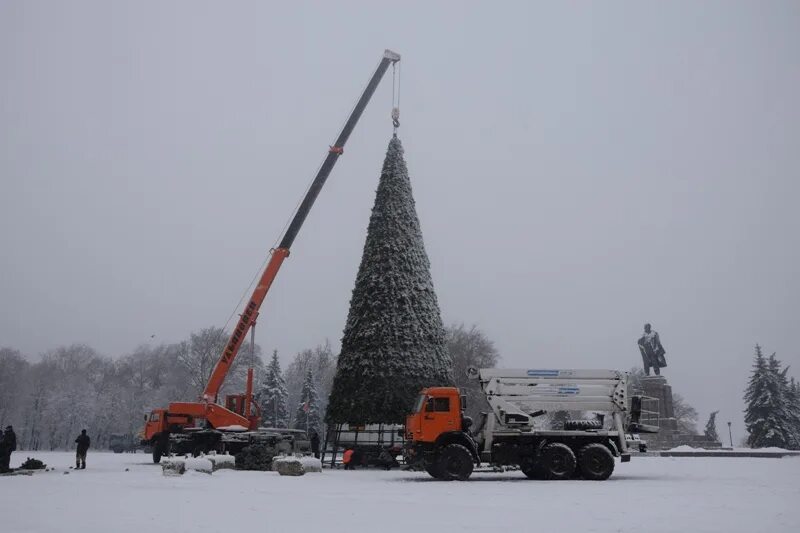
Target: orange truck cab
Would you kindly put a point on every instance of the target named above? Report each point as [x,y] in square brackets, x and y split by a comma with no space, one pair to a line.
[437,434]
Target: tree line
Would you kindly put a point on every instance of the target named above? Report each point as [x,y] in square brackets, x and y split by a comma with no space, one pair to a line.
[49,400]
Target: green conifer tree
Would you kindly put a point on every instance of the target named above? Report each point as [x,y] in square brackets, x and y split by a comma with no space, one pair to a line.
[272,396]
[307,417]
[793,407]
[766,417]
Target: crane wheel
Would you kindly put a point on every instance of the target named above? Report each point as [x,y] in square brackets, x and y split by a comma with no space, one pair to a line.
[557,461]
[532,469]
[455,463]
[595,462]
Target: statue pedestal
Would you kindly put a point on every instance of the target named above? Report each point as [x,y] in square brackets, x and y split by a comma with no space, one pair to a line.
[669,436]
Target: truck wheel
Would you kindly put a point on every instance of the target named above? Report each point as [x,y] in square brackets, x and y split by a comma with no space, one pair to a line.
[433,470]
[557,461]
[595,462]
[582,425]
[455,463]
[531,469]
[157,453]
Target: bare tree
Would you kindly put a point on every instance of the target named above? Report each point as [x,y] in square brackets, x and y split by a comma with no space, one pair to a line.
[470,348]
[685,414]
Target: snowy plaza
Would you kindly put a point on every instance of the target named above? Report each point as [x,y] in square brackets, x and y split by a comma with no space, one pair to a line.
[649,494]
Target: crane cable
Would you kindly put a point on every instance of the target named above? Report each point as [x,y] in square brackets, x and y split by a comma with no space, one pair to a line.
[395,97]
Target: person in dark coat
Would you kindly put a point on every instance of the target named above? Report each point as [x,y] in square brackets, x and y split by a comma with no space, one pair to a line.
[2,452]
[315,443]
[83,442]
[7,445]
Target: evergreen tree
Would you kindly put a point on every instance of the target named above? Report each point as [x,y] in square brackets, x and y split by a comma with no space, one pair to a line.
[272,396]
[711,427]
[307,416]
[393,343]
[766,415]
[793,407]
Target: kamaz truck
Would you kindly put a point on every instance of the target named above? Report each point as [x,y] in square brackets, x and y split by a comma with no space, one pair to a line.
[518,432]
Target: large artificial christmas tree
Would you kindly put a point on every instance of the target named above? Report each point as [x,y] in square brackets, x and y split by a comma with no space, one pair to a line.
[272,396]
[307,417]
[394,341]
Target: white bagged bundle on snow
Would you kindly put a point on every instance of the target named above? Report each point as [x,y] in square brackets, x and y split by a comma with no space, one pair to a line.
[173,467]
[219,462]
[179,466]
[311,464]
[288,466]
[199,464]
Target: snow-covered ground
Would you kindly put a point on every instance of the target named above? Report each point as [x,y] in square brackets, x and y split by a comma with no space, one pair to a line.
[647,495]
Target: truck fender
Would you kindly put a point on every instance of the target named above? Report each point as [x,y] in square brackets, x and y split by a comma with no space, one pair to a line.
[611,445]
[459,437]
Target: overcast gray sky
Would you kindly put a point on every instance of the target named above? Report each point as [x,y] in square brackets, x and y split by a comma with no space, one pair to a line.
[578,168]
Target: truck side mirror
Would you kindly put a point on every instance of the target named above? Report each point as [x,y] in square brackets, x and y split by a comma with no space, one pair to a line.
[463,402]
[145,418]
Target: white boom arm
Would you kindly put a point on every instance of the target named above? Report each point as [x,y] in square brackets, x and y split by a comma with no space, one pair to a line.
[516,394]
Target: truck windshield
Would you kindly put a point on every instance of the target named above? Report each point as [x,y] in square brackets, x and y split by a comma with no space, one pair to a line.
[419,404]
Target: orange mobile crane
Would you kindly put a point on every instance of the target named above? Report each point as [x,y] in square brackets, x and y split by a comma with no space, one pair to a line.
[206,425]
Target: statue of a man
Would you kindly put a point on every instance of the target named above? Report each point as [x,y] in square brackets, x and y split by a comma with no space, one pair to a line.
[652,351]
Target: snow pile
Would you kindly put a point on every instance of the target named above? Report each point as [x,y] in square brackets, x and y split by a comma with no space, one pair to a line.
[683,448]
[234,427]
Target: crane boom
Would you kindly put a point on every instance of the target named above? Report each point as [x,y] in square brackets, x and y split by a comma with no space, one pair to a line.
[248,316]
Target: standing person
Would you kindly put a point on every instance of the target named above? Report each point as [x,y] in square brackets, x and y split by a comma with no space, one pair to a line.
[83,442]
[9,444]
[2,452]
[347,459]
[315,443]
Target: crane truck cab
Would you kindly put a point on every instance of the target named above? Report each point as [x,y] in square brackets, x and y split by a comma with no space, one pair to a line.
[440,439]
[437,434]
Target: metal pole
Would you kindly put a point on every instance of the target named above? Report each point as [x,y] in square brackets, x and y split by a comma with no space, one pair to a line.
[730,435]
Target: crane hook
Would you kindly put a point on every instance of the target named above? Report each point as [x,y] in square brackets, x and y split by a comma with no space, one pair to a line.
[396,117]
